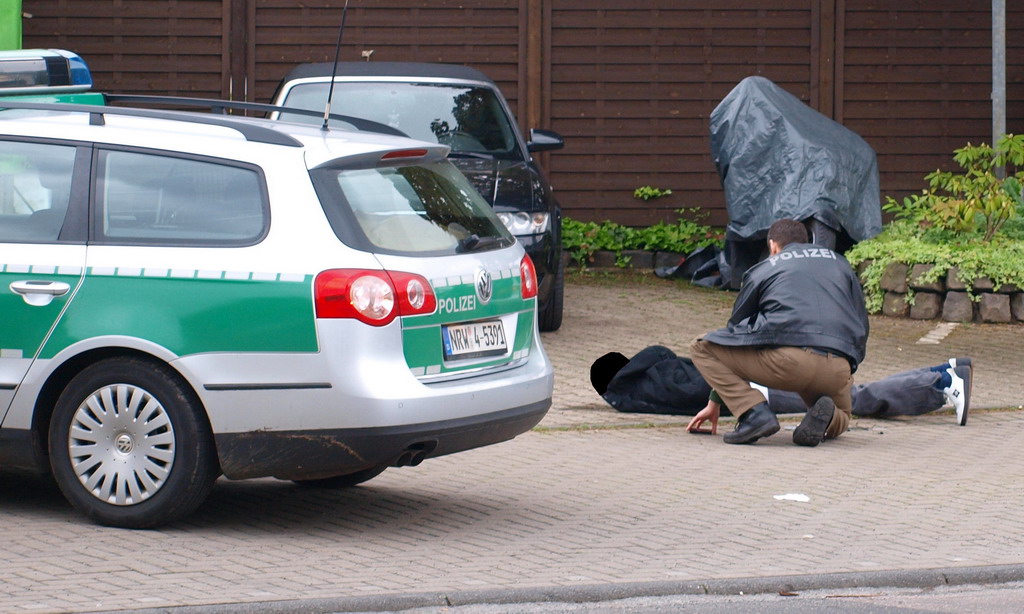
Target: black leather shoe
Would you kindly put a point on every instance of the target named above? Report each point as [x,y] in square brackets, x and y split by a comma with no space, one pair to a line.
[753,424]
[812,428]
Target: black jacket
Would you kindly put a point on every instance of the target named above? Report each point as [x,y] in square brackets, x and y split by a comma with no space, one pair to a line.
[656,381]
[804,296]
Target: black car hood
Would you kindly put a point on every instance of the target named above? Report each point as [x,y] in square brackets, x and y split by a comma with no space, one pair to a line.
[515,182]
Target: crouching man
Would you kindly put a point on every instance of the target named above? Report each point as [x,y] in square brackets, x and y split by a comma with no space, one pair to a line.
[798,324]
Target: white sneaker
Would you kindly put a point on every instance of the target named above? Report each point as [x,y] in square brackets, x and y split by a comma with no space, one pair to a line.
[960,362]
[958,394]
[964,361]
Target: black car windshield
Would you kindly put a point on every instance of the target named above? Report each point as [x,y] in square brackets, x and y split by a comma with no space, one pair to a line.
[468,119]
[427,209]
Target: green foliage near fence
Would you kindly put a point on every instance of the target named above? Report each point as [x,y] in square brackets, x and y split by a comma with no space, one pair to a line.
[583,239]
[971,220]
[1000,259]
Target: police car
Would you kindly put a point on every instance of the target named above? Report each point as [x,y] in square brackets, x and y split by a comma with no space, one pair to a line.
[188,295]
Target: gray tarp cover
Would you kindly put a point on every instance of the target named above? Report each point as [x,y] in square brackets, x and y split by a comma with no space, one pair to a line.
[779,158]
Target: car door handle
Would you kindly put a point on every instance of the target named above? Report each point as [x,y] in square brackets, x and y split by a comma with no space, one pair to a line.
[39,293]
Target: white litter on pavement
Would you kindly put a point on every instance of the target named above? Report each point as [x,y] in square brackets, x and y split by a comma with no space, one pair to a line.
[793,497]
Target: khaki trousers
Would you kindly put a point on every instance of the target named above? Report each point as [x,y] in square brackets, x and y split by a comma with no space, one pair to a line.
[729,371]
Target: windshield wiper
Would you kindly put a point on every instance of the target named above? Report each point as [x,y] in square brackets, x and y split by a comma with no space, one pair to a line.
[475,242]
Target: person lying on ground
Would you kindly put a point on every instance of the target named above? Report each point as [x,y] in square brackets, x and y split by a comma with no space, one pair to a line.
[657,381]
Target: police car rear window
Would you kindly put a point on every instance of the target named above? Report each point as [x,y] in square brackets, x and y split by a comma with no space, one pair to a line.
[421,209]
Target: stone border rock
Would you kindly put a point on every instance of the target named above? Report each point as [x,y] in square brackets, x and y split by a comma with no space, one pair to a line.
[947,298]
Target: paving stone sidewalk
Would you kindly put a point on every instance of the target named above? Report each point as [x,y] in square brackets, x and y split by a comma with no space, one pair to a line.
[591,498]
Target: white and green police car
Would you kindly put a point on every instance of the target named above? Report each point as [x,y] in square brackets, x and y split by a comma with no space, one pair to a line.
[187,295]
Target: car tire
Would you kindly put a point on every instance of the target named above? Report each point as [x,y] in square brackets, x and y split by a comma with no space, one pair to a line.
[550,318]
[344,481]
[130,445]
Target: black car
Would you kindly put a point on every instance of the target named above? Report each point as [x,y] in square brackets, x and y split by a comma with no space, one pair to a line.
[460,107]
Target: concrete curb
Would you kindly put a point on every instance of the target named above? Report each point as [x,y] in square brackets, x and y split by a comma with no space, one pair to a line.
[590,593]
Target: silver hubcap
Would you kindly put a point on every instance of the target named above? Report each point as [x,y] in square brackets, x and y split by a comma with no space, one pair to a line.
[121,444]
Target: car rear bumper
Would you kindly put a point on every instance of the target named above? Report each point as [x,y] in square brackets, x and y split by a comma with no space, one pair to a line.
[357,404]
[313,454]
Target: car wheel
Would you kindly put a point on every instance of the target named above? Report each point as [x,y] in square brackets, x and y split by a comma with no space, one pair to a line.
[344,481]
[550,318]
[130,446]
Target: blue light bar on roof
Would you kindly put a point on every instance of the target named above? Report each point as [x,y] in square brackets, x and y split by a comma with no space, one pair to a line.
[42,71]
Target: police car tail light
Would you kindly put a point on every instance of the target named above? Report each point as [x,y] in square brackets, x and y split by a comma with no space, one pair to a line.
[372,297]
[527,278]
[415,295]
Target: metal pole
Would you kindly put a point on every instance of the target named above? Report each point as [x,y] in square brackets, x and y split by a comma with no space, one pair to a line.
[998,70]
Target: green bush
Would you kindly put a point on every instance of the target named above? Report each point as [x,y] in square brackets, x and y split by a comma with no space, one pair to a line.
[980,200]
[1001,259]
[973,221]
[582,239]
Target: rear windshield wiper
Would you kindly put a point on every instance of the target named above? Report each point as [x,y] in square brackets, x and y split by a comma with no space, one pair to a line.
[475,242]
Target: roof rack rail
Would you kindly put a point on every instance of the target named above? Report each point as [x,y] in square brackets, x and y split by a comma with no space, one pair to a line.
[222,106]
[252,132]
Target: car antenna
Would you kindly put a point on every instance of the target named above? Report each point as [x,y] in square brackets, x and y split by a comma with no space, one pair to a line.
[334,70]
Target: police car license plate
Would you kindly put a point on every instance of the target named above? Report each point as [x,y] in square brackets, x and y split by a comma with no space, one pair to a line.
[462,341]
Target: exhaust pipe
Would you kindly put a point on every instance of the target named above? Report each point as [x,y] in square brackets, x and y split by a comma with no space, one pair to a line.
[415,454]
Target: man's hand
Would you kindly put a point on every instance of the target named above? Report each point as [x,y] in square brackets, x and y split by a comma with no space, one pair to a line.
[710,412]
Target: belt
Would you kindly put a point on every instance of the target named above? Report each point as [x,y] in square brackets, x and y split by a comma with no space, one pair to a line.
[820,352]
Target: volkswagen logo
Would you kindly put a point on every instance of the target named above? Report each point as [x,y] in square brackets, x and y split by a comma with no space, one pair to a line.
[484,286]
[124,444]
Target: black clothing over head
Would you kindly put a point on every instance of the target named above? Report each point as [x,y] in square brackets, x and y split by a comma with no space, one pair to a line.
[656,381]
[604,369]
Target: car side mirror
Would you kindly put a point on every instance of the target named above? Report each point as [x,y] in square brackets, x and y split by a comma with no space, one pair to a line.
[544,140]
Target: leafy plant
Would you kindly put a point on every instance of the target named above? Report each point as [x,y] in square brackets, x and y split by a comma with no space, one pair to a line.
[583,239]
[647,193]
[980,199]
